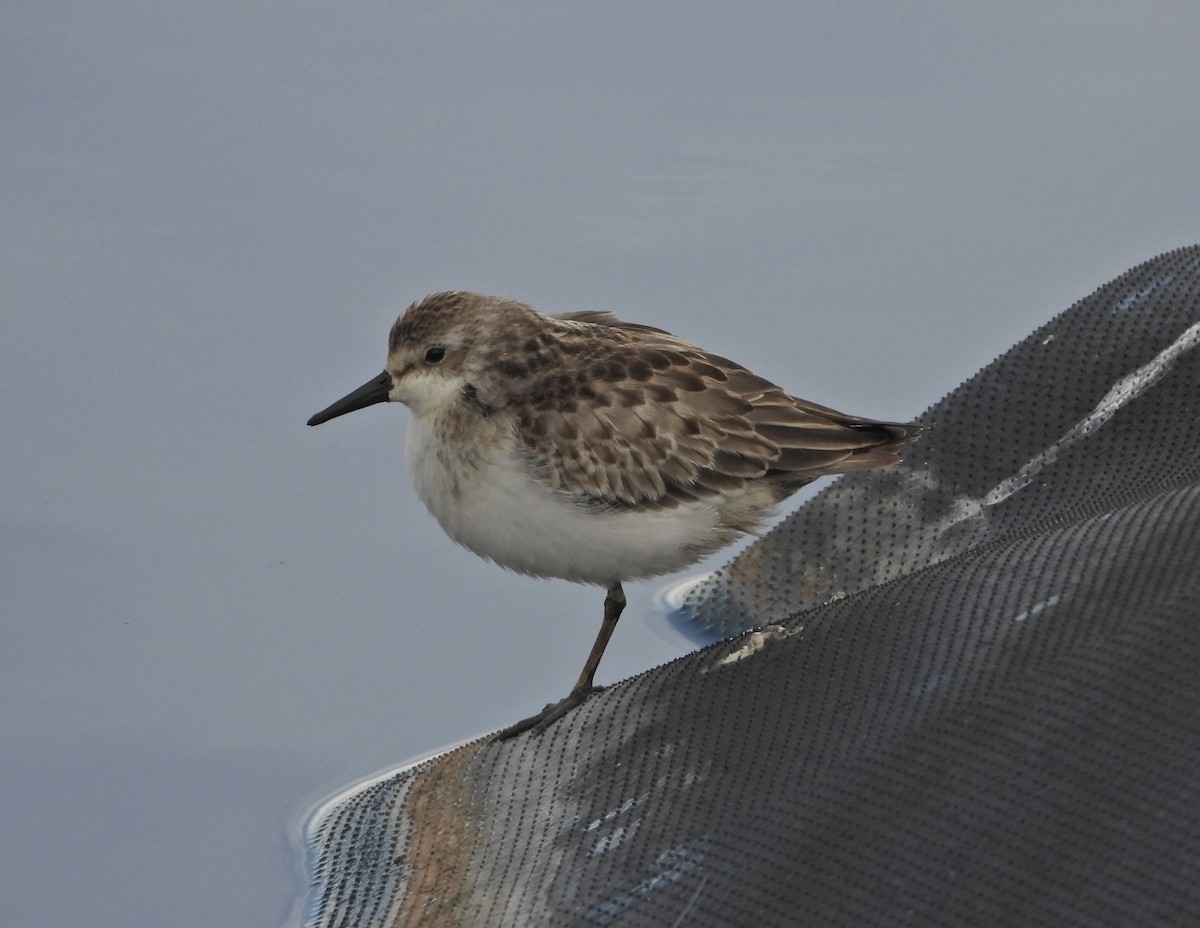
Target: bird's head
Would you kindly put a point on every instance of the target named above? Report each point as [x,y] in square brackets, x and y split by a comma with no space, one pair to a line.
[441,349]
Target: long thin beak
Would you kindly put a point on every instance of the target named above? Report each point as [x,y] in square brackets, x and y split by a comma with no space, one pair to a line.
[370,393]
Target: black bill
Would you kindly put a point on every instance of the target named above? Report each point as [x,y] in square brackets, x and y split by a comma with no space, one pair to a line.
[370,393]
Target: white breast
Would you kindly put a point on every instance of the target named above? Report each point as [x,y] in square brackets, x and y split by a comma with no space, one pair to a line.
[487,502]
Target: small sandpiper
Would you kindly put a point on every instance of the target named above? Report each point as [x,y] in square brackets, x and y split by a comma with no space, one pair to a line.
[583,447]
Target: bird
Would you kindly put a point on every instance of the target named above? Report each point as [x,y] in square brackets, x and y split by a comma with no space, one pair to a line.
[581,447]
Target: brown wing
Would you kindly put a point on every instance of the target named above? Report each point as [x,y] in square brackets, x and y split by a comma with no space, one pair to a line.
[651,418]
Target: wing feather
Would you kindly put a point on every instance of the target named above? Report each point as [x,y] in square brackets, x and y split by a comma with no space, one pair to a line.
[650,419]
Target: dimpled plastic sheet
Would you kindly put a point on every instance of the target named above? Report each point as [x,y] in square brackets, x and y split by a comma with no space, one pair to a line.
[975,699]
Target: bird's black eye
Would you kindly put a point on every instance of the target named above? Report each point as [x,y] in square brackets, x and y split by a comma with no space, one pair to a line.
[435,354]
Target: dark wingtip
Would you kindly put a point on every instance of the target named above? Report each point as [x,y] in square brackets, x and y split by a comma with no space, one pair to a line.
[893,433]
[904,433]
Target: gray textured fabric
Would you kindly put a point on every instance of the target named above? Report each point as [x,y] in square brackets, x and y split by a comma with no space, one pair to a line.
[975,700]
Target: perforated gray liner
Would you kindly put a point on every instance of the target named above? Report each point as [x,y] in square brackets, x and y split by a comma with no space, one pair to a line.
[977,701]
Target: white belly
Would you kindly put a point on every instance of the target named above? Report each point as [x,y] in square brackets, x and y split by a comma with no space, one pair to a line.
[487,503]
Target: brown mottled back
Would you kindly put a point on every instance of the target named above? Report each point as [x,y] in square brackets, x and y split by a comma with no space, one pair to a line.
[642,416]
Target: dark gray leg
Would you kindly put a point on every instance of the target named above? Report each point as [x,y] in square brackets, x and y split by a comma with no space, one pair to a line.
[614,604]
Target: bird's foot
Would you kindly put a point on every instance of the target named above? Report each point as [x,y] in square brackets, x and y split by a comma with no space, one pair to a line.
[548,716]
